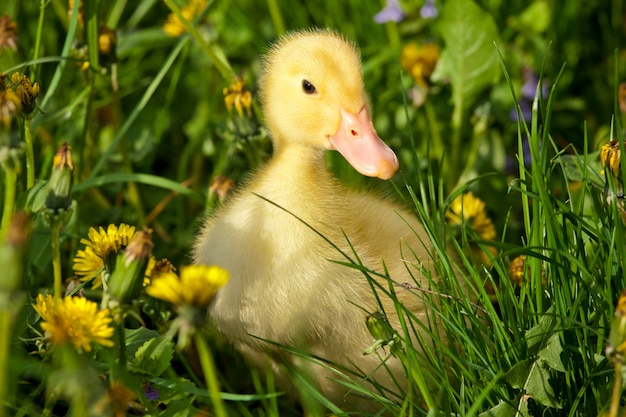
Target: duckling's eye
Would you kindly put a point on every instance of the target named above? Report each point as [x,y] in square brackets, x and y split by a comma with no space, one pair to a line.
[308,87]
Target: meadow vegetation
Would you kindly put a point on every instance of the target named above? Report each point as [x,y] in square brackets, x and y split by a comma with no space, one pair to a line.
[124,123]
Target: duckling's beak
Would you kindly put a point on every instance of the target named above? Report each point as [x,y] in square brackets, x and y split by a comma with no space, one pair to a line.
[357,140]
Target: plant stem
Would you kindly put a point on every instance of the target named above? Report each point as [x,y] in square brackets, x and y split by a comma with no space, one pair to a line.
[277,17]
[617,389]
[5,335]
[56,256]
[30,155]
[214,52]
[10,182]
[42,9]
[208,368]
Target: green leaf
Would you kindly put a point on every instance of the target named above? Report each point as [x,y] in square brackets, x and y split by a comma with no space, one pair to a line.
[504,409]
[154,356]
[135,338]
[33,199]
[551,353]
[537,337]
[469,58]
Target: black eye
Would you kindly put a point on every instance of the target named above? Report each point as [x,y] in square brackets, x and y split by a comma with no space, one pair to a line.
[308,87]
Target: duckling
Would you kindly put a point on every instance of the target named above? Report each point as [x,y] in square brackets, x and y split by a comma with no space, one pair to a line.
[280,234]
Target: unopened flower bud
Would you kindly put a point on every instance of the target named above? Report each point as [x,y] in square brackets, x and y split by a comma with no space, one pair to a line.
[127,279]
[59,197]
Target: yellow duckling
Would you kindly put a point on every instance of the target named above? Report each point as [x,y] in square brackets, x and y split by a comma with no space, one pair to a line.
[284,285]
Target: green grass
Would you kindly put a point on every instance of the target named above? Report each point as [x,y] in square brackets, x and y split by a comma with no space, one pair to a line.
[150,132]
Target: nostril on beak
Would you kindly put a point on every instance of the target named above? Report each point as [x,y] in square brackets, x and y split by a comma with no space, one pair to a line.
[354,133]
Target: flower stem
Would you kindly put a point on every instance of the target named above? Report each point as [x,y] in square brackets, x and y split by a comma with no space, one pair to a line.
[30,155]
[617,389]
[10,182]
[56,257]
[277,17]
[213,51]
[5,335]
[42,9]
[210,376]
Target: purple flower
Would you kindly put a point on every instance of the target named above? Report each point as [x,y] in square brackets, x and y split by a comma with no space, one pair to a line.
[150,392]
[527,111]
[428,10]
[391,13]
[530,85]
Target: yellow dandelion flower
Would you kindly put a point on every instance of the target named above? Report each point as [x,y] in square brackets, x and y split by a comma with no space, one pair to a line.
[470,210]
[174,27]
[420,61]
[516,270]
[611,157]
[101,248]
[75,320]
[236,94]
[87,264]
[196,285]
[112,240]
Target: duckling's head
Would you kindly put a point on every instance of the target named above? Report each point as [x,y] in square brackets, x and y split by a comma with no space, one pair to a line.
[313,96]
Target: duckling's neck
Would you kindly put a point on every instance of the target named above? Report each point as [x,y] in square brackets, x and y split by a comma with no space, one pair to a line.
[296,169]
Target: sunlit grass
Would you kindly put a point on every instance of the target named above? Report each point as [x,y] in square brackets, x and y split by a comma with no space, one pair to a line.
[156,122]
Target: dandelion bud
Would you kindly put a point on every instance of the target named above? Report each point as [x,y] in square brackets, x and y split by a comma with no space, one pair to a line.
[59,197]
[379,327]
[237,95]
[610,158]
[127,279]
[26,92]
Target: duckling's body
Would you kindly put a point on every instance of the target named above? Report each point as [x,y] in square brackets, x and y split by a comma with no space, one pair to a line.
[284,285]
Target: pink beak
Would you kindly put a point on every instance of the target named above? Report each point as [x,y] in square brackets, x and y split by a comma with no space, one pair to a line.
[357,140]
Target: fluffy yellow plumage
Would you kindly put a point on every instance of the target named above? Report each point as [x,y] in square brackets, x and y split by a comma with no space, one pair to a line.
[284,286]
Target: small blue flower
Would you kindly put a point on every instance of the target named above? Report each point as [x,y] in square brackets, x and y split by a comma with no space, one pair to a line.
[428,10]
[391,13]
[150,392]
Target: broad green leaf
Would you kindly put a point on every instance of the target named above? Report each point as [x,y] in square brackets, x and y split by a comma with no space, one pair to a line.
[469,59]
[551,353]
[504,409]
[537,337]
[537,16]
[154,356]
[135,338]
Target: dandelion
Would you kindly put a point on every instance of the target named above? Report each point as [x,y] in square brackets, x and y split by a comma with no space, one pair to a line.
[391,13]
[196,285]
[59,195]
[174,27]
[126,280]
[468,209]
[237,95]
[611,158]
[75,320]
[420,61]
[8,33]
[101,249]
[25,91]
[516,270]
